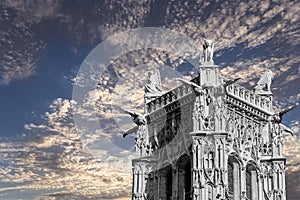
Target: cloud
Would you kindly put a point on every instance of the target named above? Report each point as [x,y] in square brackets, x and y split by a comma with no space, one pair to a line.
[249,37]
[250,24]
[18,51]
[229,23]
[20,46]
[295,126]
[291,149]
[27,27]
[52,159]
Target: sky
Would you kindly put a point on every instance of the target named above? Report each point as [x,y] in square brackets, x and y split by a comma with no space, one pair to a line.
[46,46]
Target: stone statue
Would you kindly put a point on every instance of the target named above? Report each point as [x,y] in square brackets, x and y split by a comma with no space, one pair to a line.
[208,51]
[153,86]
[264,83]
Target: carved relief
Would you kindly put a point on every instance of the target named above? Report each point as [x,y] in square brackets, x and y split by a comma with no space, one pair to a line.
[209,156]
[276,138]
[272,176]
[220,110]
[204,111]
[142,144]
[197,172]
[211,123]
[244,137]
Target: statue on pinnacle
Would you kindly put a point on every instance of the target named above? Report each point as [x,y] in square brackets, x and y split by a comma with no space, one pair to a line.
[208,51]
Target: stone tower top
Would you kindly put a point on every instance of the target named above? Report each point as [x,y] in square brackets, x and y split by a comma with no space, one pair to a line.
[208,52]
[208,71]
[209,138]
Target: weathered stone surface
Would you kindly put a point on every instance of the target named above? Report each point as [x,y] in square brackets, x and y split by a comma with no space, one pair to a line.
[210,139]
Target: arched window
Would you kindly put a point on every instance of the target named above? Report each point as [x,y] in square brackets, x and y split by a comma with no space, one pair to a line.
[187,184]
[248,184]
[230,178]
[251,182]
[234,178]
[209,192]
[184,181]
[169,183]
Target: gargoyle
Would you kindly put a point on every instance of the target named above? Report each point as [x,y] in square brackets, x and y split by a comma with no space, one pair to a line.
[278,118]
[133,130]
[138,119]
[286,129]
[231,81]
[196,87]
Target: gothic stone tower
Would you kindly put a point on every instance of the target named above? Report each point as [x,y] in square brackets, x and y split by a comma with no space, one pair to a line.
[209,139]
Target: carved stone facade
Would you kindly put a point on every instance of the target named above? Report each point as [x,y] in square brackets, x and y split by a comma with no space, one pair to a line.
[221,141]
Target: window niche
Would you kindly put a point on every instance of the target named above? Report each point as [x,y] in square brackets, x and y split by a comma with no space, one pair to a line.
[251,182]
[234,178]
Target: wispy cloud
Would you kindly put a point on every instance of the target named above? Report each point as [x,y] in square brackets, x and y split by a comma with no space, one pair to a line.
[292,152]
[250,24]
[52,157]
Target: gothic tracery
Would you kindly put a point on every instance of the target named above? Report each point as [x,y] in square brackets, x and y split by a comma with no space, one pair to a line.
[215,140]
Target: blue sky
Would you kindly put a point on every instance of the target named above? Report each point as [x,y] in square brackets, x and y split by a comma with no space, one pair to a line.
[43,44]
[24,101]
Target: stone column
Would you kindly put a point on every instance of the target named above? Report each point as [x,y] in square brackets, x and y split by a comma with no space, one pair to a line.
[196,166]
[136,183]
[140,182]
[283,185]
[260,186]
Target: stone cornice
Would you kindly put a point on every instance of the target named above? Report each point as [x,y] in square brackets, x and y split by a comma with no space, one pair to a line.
[247,99]
[247,107]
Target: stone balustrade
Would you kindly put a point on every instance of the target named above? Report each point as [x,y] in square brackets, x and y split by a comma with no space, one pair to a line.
[258,101]
[168,98]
